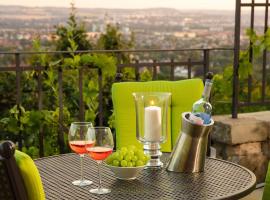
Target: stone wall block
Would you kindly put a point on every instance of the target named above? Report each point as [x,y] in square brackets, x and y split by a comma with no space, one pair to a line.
[244,149]
[237,131]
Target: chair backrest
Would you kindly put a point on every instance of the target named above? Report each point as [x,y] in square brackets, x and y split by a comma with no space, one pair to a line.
[266,191]
[11,182]
[184,94]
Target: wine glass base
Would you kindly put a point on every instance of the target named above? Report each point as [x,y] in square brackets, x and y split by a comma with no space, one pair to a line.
[100,191]
[82,183]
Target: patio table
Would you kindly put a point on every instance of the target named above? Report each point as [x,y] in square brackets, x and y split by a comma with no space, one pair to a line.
[220,180]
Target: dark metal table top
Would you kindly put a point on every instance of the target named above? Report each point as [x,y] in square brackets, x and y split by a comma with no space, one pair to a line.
[220,180]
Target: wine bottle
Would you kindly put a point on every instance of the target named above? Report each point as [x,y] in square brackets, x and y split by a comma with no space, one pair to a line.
[202,109]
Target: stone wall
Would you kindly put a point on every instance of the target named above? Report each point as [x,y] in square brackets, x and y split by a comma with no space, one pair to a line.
[244,141]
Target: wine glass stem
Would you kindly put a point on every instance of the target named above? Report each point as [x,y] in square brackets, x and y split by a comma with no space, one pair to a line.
[81,159]
[99,174]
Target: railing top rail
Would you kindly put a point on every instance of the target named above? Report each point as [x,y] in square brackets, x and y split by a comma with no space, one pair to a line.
[116,51]
[254,4]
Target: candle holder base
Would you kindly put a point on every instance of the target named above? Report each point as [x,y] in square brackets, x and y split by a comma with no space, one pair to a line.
[153,150]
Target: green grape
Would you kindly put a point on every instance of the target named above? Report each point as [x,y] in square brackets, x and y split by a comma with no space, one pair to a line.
[131,147]
[120,157]
[109,160]
[111,157]
[133,163]
[115,163]
[139,153]
[142,157]
[134,158]
[139,163]
[123,153]
[127,158]
[135,150]
[115,154]
[129,164]
[124,149]
[130,153]
[124,163]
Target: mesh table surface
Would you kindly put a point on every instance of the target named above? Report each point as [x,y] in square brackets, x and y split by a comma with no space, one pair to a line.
[220,180]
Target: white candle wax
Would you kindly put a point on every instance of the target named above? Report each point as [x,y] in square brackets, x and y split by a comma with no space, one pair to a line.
[152,123]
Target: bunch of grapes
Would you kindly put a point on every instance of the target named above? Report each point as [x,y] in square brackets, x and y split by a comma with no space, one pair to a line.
[128,157]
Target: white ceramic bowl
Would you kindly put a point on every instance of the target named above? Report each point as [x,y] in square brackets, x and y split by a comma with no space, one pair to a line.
[126,173]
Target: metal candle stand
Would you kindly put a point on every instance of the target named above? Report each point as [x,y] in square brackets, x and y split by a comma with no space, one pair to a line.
[152,123]
[153,150]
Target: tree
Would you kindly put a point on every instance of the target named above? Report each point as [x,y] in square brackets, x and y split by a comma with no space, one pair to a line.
[73,30]
[113,39]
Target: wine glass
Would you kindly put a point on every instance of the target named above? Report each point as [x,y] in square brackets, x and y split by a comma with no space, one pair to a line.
[78,143]
[102,148]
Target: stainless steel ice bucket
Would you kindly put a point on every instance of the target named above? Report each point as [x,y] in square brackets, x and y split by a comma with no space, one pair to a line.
[190,150]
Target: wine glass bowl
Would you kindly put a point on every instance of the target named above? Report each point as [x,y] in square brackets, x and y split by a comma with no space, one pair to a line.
[102,147]
[78,143]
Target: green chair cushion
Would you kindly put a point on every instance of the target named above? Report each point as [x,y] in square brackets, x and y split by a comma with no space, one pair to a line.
[184,94]
[30,175]
[266,192]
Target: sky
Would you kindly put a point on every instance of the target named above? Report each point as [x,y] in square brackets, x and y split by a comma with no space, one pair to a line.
[178,4]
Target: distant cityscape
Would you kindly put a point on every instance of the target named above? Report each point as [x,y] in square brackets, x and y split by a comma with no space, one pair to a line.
[157,28]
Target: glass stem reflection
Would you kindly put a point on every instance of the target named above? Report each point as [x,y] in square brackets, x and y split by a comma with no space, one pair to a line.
[81,159]
[99,174]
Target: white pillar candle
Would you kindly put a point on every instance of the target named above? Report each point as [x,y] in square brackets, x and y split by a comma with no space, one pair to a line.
[152,123]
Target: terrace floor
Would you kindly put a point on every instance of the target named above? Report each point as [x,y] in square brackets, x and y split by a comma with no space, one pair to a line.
[255,195]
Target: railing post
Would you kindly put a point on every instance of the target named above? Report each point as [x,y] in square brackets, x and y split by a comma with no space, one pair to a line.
[100,97]
[251,51]
[40,107]
[19,95]
[154,70]
[172,69]
[118,57]
[61,141]
[189,68]
[264,54]
[81,103]
[236,58]
[137,74]
[206,62]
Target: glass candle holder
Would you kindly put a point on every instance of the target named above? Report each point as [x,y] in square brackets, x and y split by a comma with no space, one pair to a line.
[152,123]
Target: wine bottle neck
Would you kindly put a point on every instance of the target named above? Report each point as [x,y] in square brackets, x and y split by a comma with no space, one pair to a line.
[207,90]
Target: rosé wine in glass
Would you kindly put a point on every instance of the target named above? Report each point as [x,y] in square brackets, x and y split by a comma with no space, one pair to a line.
[80,146]
[99,153]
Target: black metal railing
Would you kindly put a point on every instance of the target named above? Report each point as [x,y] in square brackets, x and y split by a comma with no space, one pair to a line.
[237,46]
[19,68]
[203,61]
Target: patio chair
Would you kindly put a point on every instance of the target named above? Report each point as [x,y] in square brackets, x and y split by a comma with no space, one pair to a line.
[19,177]
[184,94]
[266,192]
